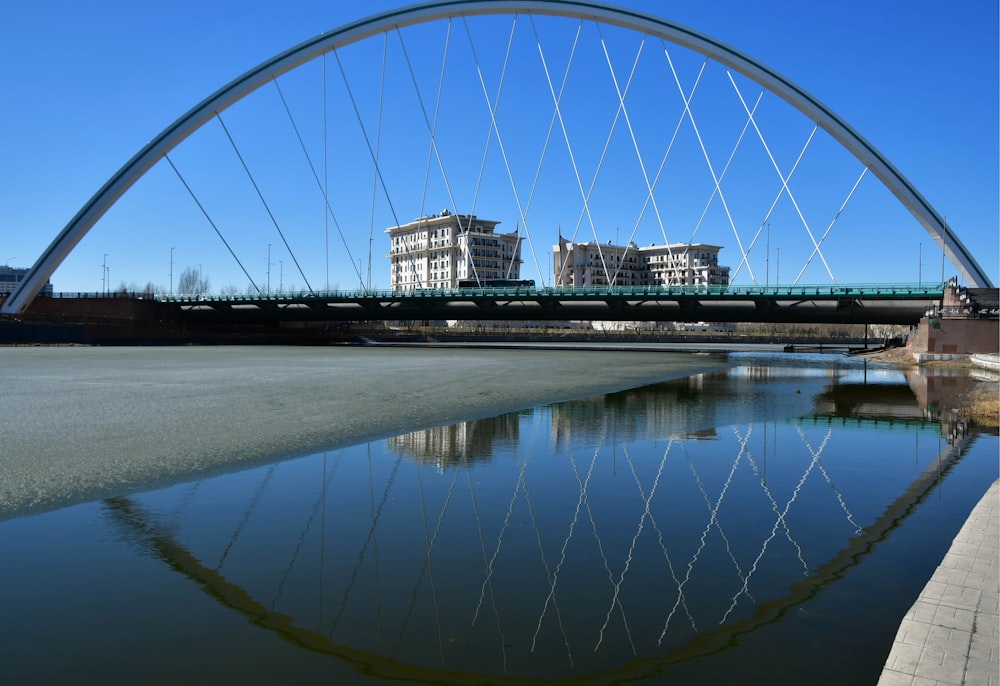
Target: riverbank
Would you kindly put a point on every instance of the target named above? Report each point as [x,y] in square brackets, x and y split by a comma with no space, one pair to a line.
[950,634]
[980,404]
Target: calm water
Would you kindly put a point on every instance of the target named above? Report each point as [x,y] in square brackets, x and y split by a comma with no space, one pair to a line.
[769,523]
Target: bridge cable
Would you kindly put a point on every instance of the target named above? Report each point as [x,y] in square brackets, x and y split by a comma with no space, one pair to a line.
[666,156]
[204,212]
[601,160]
[492,106]
[774,204]
[432,130]
[260,195]
[832,222]
[785,179]
[725,169]
[364,132]
[562,125]
[378,153]
[326,183]
[704,152]
[635,144]
[548,135]
[319,184]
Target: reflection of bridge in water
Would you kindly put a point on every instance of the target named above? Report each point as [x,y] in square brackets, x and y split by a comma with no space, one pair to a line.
[533,560]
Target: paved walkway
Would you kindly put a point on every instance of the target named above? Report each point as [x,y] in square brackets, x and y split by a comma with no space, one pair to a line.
[951,635]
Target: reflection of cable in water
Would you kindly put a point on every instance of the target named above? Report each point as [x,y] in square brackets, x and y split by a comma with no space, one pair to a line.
[545,563]
[246,516]
[375,515]
[779,522]
[489,569]
[712,520]
[761,475]
[428,566]
[840,497]
[628,560]
[186,500]
[302,538]
[583,484]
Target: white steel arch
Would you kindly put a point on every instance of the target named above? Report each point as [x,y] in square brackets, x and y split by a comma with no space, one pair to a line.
[686,37]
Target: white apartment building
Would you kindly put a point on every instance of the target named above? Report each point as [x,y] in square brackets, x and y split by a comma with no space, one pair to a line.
[439,251]
[596,264]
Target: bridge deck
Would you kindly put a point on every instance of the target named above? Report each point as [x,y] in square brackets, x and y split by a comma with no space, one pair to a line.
[861,304]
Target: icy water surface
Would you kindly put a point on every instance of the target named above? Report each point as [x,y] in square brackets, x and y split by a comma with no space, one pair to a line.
[767,522]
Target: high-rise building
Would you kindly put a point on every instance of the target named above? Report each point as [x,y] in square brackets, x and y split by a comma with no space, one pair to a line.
[446,250]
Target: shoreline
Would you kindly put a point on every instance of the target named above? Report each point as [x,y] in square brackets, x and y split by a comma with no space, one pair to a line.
[89,423]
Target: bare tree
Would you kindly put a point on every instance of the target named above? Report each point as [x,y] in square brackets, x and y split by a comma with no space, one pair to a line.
[192,282]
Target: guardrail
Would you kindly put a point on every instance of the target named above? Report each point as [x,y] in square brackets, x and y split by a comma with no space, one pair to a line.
[877,291]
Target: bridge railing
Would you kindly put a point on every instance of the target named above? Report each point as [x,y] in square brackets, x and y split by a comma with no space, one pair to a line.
[906,290]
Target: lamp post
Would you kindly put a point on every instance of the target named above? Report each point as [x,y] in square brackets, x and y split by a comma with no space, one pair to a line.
[920,264]
[171,271]
[767,258]
[268,267]
[104,275]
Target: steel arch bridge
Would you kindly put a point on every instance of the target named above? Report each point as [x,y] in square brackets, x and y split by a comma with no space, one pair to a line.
[601,15]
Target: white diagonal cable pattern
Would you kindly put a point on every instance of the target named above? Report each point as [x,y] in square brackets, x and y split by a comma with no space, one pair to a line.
[635,143]
[784,179]
[701,546]
[725,169]
[670,146]
[565,132]
[780,521]
[583,484]
[833,487]
[628,560]
[832,222]
[704,152]
[600,165]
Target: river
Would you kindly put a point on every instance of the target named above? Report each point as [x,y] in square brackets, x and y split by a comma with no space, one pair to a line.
[429,515]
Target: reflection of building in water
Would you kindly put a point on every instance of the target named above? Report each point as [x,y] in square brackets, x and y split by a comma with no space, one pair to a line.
[444,446]
[652,412]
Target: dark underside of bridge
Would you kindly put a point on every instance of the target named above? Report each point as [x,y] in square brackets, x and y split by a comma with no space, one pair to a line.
[314,320]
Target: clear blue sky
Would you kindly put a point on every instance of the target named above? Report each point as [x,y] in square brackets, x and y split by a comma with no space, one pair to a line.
[86,85]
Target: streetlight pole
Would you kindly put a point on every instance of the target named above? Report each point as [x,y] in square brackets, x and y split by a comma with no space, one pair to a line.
[268,267]
[920,264]
[767,258]
[281,276]
[171,271]
[104,275]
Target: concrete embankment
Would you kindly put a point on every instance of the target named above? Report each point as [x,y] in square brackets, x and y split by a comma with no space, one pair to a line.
[952,633]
